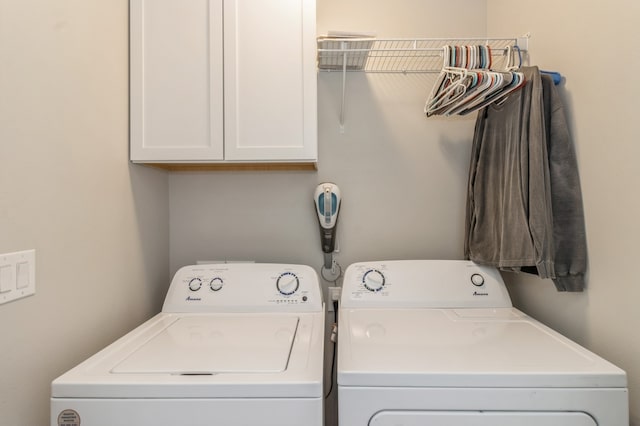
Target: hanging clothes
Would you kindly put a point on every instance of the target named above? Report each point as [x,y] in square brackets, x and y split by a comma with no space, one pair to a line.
[524,205]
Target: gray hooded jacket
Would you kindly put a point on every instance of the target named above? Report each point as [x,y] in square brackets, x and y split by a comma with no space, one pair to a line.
[524,204]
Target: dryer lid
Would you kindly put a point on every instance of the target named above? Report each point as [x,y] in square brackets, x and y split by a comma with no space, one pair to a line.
[463,348]
[215,345]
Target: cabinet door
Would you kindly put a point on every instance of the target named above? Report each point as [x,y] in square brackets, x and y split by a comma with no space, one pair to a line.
[176,80]
[270,80]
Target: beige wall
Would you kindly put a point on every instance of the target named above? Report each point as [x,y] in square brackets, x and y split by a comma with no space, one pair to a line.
[591,43]
[402,176]
[99,226]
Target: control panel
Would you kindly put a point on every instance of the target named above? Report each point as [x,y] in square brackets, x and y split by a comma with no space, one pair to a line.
[423,283]
[244,287]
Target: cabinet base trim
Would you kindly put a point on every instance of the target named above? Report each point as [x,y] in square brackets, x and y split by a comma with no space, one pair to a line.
[187,167]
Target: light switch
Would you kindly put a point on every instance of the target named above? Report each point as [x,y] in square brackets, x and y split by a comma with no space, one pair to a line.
[22,275]
[17,275]
[7,282]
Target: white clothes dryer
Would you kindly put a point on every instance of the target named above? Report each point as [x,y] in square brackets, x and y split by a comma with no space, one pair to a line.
[438,343]
[235,345]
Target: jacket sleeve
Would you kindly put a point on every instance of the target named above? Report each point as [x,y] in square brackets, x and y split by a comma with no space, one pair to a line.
[569,238]
[540,211]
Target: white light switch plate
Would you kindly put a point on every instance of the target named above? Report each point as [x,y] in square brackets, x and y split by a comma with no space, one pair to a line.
[17,275]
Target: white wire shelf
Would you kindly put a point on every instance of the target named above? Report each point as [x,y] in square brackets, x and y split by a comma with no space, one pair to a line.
[402,55]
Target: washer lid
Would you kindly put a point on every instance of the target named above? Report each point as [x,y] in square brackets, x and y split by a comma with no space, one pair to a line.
[230,355]
[463,347]
[213,345]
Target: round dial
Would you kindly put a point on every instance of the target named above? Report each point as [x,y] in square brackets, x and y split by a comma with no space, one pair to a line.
[216,284]
[287,283]
[477,280]
[373,280]
[195,284]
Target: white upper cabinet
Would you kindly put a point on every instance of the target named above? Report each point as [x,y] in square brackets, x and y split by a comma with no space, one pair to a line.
[223,81]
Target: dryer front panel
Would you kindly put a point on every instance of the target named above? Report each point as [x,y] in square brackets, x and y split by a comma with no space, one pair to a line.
[479,418]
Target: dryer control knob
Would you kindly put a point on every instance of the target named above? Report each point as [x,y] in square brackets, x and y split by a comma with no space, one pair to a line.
[216,284]
[373,280]
[477,280]
[287,283]
[195,284]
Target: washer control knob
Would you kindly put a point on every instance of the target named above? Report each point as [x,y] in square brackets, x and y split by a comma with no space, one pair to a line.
[373,280]
[216,284]
[287,283]
[477,280]
[195,284]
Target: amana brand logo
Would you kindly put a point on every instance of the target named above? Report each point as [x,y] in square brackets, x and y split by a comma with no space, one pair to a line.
[69,418]
[475,293]
[193,299]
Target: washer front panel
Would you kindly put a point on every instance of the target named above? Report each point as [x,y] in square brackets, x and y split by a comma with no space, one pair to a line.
[265,411]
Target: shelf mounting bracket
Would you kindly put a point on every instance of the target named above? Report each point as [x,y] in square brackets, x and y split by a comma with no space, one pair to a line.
[344,85]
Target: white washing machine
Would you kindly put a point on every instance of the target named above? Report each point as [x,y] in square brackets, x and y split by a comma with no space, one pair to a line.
[438,343]
[235,344]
